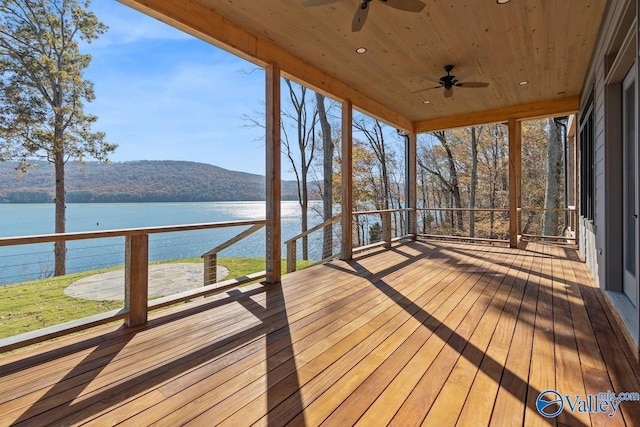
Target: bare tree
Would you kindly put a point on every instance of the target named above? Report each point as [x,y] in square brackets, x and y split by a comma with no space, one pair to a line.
[327,175]
[553,188]
[475,136]
[300,155]
[375,137]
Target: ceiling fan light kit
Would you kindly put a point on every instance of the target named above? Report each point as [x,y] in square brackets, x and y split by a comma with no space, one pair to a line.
[448,82]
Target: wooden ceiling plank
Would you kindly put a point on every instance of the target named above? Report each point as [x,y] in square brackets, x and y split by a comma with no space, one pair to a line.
[204,23]
[556,107]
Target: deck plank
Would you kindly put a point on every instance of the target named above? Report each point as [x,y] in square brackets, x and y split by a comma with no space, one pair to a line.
[455,391]
[429,333]
[484,389]
[474,284]
[541,378]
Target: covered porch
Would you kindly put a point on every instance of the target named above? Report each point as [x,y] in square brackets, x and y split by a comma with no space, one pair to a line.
[427,332]
[422,332]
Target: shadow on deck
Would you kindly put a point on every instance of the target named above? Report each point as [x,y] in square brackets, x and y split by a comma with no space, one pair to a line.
[425,333]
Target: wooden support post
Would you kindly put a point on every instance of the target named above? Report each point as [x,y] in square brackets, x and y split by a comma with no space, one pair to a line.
[210,269]
[347,180]
[386,228]
[274,256]
[412,183]
[515,178]
[136,278]
[291,256]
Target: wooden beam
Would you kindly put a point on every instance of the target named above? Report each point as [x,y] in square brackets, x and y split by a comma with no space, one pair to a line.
[554,107]
[136,279]
[515,178]
[412,183]
[273,174]
[202,22]
[347,180]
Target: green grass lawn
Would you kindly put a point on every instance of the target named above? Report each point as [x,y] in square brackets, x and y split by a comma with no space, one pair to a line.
[41,303]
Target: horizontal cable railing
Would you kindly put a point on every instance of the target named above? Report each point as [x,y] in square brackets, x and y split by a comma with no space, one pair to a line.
[381,227]
[562,223]
[478,224]
[125,258]
[327,247]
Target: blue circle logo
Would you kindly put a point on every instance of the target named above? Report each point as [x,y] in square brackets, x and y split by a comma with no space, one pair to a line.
[546,401]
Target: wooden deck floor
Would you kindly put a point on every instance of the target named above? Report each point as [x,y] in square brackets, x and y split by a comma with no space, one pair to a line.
[426,333]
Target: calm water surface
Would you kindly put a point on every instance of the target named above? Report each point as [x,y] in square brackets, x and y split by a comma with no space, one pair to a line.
[20,263]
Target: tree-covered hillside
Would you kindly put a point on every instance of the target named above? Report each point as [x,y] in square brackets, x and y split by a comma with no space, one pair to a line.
[139,181]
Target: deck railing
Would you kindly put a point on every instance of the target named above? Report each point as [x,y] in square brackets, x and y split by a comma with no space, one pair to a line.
[493,224]
[292,243]
[136,277]
[480,224]
[372,229]
[380,227]
[530,224]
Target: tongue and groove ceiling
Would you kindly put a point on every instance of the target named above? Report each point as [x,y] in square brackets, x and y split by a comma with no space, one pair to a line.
[548,43]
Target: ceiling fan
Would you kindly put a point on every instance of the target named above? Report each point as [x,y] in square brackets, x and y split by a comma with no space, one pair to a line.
[450,81]
[363,8]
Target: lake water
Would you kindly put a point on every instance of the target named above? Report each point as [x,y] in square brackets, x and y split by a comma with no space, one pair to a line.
[26,262]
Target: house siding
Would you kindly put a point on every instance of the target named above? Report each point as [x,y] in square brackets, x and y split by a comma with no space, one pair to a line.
[600,239]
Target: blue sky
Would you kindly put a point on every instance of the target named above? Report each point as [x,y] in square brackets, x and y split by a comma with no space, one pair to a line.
[162,94]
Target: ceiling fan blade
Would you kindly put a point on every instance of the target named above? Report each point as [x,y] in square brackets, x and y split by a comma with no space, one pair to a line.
[472,84]
[406,5]
[360,17]
[448,93]
[429,88]
[466,74]
[432,79]
[311,3]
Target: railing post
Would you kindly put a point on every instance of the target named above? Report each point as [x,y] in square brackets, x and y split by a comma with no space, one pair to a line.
[515,176]
[386,228]
[291,256]
[210,269]
[273,174]
[347,181]
[136,281]
[412,184]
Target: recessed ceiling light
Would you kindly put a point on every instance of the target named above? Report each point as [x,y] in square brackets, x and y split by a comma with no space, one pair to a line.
[524,83]
[361,50]
[503,1]
[426,101]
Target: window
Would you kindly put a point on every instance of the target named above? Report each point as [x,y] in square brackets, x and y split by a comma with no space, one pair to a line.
[587,160]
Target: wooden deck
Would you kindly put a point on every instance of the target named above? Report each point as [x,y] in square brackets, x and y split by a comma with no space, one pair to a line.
[426,333]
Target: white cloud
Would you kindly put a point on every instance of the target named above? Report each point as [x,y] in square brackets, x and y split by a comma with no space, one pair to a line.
[127,25]
[165,95]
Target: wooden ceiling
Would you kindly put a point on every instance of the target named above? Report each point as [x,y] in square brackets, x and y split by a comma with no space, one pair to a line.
[548,43]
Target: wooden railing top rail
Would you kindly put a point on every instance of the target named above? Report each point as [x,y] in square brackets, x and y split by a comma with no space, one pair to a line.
[569,209]
[379,211]
[46,238]
[465,209]
[331,220]
[549,209]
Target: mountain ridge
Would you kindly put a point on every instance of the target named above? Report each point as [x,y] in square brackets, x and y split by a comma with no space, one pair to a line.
[135,181]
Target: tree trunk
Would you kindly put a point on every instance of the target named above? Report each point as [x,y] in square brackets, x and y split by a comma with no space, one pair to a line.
[327,171]
[552,194]
[304,203]
[474,180]
[424,191]
[455,184]
[60,248]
